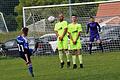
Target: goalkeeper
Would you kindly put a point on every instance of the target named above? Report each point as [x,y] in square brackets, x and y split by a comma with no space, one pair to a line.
[94,33]
[62,39]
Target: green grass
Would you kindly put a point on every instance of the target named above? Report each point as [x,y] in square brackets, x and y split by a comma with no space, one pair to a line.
[104,66]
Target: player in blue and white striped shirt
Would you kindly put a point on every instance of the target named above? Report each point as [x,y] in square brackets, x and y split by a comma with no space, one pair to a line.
[24,50]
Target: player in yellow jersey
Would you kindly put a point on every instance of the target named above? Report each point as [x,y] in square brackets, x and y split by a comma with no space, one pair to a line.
[74,30]
[62,39]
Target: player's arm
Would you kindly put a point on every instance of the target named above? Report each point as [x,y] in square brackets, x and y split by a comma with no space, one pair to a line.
[79,31]
[99,27]
[56,32]
[65,31]
[77,37]
[87,30]
[70,36]
[60,38]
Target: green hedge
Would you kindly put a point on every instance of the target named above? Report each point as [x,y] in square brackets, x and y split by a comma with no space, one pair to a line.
[7,36]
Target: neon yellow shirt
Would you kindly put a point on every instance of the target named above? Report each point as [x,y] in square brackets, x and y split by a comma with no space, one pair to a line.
[74,29]
[60,26]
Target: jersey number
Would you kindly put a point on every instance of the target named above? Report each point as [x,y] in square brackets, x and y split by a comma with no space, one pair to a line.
[20,47]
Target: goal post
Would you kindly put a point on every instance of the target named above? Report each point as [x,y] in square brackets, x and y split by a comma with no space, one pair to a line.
[3,26]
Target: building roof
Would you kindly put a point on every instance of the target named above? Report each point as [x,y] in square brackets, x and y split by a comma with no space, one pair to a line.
[109,13]
[108,9]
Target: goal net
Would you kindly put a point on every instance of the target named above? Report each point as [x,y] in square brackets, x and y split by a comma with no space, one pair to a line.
[3,26]
[106,13]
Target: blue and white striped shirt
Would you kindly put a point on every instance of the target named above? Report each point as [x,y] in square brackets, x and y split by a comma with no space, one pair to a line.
[22,43]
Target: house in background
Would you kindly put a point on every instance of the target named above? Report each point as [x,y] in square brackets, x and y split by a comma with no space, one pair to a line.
[109,14]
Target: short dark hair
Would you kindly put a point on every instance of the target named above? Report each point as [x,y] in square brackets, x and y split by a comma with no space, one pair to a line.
[74,15]
[25,29]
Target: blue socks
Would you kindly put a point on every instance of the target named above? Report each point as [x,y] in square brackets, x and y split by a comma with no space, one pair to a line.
[30,68]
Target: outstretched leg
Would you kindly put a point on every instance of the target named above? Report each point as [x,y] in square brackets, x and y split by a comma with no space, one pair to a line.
[30,67]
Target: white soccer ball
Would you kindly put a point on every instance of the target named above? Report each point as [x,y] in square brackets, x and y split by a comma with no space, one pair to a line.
[51,19]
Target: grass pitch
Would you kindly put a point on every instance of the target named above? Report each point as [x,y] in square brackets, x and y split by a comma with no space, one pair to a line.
[104,66]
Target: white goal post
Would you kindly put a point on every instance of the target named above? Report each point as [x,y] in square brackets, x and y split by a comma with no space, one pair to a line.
[3,26]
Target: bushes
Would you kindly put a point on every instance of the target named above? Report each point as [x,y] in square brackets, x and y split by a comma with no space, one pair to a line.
[7,36]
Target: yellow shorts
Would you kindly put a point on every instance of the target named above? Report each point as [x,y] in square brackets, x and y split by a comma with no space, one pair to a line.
[62,44]
[76,46]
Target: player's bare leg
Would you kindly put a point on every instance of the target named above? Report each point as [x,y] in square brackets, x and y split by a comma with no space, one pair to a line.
[61,58]
[74,58]
[68,57]
[80,58]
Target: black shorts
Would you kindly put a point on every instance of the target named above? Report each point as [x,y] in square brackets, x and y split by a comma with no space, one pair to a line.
[96,36]
[22,55]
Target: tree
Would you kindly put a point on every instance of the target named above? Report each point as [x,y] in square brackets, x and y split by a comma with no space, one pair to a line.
[8,11]
[25,3]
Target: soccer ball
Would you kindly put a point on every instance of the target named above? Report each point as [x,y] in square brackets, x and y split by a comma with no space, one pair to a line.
[51,19]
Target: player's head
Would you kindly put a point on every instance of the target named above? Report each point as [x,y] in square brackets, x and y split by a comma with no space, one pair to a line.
[25,31]
[92,19]
[61,17]
[74,18]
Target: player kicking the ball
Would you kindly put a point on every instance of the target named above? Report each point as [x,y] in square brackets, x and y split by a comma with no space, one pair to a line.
[24,50]
[94,33]
[62,39]
[74,30]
